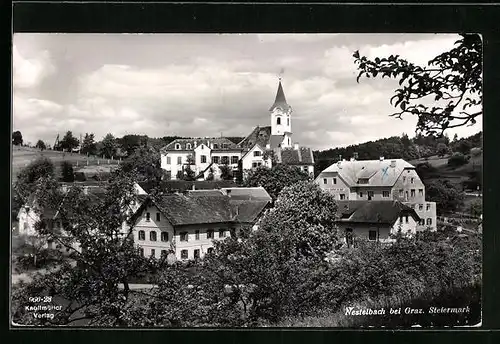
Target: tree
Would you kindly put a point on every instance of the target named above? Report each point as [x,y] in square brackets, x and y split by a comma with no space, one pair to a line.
[457,160]
[68,175]
[69,142]
[17,138]
[274,179]
[453,79]
[130,143]
[425,170]
[448,198]
[88,144]
[189,174]
[145,163]
[442,149]
[41,145]
[109,146]
[107,258]
[464,147]
[226,173]
[476,208]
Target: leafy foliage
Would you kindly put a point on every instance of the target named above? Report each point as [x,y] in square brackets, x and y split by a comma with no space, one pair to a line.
[40,145]
[447,197]
[88,144]
[17,138]
[145,163]
[458,159]
[109,146]
[274,179]
[68,174]
[452,79]
[69,142]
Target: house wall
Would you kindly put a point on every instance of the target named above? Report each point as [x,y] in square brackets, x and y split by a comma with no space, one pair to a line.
[332,183]
[27,218]
[408,181]
[153,225]
[426,211]
[285,126]
[361,192]
[203,243]
[229,154]
[249,159]
[173,167]
[202,149]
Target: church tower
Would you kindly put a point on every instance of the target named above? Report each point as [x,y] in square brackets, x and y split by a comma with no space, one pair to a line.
[281,121]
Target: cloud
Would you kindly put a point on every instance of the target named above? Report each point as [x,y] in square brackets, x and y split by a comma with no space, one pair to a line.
[29,72]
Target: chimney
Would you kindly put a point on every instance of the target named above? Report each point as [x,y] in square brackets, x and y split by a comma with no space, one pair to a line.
[339,164]
[340,157]
[193,187]
[296,146]
[393,163]
[195,144]
[381,158]
[268,146]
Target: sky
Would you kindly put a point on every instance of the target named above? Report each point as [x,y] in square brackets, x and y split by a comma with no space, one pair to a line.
[207,85]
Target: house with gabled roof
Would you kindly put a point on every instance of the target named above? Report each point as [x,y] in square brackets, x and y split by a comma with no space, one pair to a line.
[187,224]
[377,220]
[379,180]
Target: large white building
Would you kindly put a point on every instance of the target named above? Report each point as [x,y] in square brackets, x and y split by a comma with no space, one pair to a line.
[264,146]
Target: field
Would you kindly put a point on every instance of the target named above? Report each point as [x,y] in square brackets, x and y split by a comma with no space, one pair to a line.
[23,156]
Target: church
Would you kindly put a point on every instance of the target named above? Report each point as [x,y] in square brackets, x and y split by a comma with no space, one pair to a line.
[264,146]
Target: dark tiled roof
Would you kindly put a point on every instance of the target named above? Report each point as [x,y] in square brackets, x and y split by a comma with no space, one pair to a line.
[184,210]
[280,101]
[385,212]
[248,211]
[275,141]
[195,193]
[259,135]
[291,156]
[221,142]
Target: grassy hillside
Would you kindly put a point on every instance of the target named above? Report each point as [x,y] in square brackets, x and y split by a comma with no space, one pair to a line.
[23,156]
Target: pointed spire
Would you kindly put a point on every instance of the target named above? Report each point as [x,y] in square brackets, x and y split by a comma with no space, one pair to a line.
[280,100]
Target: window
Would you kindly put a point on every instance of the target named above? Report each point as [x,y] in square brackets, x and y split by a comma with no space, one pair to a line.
[406,218]
[158,217]
[385,193]
[334,180]
[141,251]
[215,159]
[152,236]
[429,221]
[222,234]
[197,235]
[372,235]
[412,179]
[256,153]
[184,236]
[210,234]
[216,146]
[164,236]
[420,192]
[153,252]
[179,160]
[422,222]
[400,192]
[232,232]
[210,250]
[177,146]
[148,217]
[420,207]
[278,120]
[325,181]
[163,253]
[342,197]
[412,193]
[401,219]
[428,206]
[234,160]
[184,254]
[225,160]
[370,195]
[196,254]
[188,146]
[349,239]
[288,121]
[142,235]
[254,165]
[203,159]
[404,179]
[223,145]
[406,192]
[168,160]
[361,194]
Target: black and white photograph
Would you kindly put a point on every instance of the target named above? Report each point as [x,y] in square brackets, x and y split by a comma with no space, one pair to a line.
[195,180]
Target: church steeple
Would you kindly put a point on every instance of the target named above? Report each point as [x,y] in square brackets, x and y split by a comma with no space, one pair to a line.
[280,101]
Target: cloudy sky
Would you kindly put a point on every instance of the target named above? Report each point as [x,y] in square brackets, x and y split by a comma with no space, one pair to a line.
[205,85]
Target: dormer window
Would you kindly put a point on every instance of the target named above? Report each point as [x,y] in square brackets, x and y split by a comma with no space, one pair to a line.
[363,181]
[188,146]
[216,146]
[224,145]
[178,146]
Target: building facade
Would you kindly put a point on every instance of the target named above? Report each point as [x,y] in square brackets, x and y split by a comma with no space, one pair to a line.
[375,180]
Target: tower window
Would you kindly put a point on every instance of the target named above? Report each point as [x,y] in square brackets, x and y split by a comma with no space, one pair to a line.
[278,120]
[177,146]
[288,121]
[188,146]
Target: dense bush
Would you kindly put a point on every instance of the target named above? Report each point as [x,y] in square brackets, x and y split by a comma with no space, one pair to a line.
[458,159]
